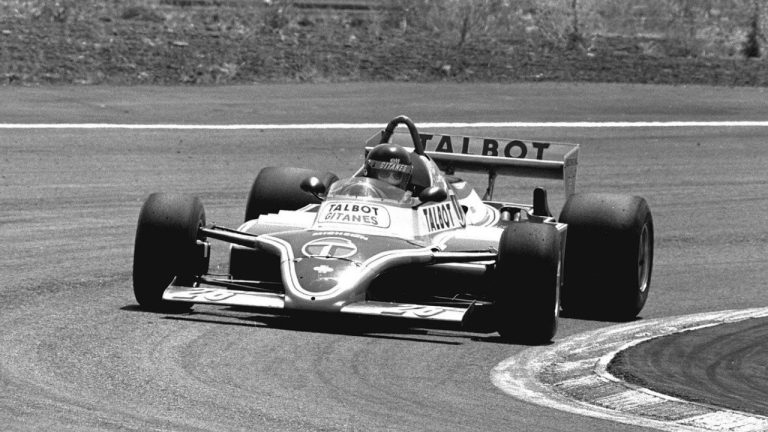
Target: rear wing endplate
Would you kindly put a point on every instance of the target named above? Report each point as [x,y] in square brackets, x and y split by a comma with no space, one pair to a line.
[514,157]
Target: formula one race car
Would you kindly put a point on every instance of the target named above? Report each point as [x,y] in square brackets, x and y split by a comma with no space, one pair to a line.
[403,237]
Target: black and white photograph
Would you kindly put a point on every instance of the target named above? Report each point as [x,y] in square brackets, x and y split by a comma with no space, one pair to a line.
[384,215]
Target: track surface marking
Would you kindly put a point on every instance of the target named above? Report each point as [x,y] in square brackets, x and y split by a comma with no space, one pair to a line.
[424,125]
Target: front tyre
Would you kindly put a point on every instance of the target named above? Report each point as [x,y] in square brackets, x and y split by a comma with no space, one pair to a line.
[609,256]
[527,303]
[166,248]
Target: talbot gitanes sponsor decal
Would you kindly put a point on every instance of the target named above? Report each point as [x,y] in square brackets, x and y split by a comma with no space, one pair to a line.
[354,213]
[440,217]
[329,247]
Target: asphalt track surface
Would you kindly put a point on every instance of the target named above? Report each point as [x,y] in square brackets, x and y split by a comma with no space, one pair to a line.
[77,354]
[723,365]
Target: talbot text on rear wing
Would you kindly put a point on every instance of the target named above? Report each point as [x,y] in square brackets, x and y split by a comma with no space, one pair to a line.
[515,157]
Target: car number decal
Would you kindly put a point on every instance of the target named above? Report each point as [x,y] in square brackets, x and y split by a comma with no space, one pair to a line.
[211,295]
[419,311]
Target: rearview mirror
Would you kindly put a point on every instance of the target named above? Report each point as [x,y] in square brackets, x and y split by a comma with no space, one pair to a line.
[312,185]
[433,194]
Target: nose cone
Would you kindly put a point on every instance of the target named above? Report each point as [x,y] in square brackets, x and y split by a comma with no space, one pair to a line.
[324,270]
[322,285]
[323,276]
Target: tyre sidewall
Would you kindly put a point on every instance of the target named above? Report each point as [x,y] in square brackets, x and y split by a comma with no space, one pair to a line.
[527,294]
[166,245]
[601,255]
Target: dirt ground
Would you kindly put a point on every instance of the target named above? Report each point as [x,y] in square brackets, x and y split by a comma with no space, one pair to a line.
[145,46]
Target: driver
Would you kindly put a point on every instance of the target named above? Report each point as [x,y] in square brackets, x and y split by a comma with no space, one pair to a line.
[390,163]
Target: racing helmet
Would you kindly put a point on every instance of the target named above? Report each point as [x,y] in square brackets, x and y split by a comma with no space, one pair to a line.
[390,163]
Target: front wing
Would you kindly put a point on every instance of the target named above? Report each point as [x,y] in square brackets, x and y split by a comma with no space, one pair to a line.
[265,300]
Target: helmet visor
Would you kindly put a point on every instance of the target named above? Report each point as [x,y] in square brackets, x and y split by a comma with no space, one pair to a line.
[390,176]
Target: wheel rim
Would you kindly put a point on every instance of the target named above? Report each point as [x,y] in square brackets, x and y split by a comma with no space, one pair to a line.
[644,259]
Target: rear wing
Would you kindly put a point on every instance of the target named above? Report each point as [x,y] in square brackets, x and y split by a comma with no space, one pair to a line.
[522,158]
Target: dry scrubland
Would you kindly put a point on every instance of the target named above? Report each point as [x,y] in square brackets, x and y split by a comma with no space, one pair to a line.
[245,41]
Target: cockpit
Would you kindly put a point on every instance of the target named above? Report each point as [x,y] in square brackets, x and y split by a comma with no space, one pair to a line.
[371,190]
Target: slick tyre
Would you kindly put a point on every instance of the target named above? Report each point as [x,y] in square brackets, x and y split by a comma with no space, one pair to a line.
[608,256]
[526,301]
[166,248]
[278,188]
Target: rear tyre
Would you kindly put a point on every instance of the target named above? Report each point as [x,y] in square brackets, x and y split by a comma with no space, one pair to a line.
[609,256]
[166,248]
[527,294]
[278,188]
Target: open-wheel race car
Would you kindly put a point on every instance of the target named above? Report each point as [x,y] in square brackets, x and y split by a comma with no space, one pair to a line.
[404,237]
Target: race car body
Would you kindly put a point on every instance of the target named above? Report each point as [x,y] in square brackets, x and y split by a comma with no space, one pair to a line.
[434,250]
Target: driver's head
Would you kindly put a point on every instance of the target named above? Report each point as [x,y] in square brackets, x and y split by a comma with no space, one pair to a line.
[390,163]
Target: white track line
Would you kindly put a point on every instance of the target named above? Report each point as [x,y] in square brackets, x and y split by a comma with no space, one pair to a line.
[424,125]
